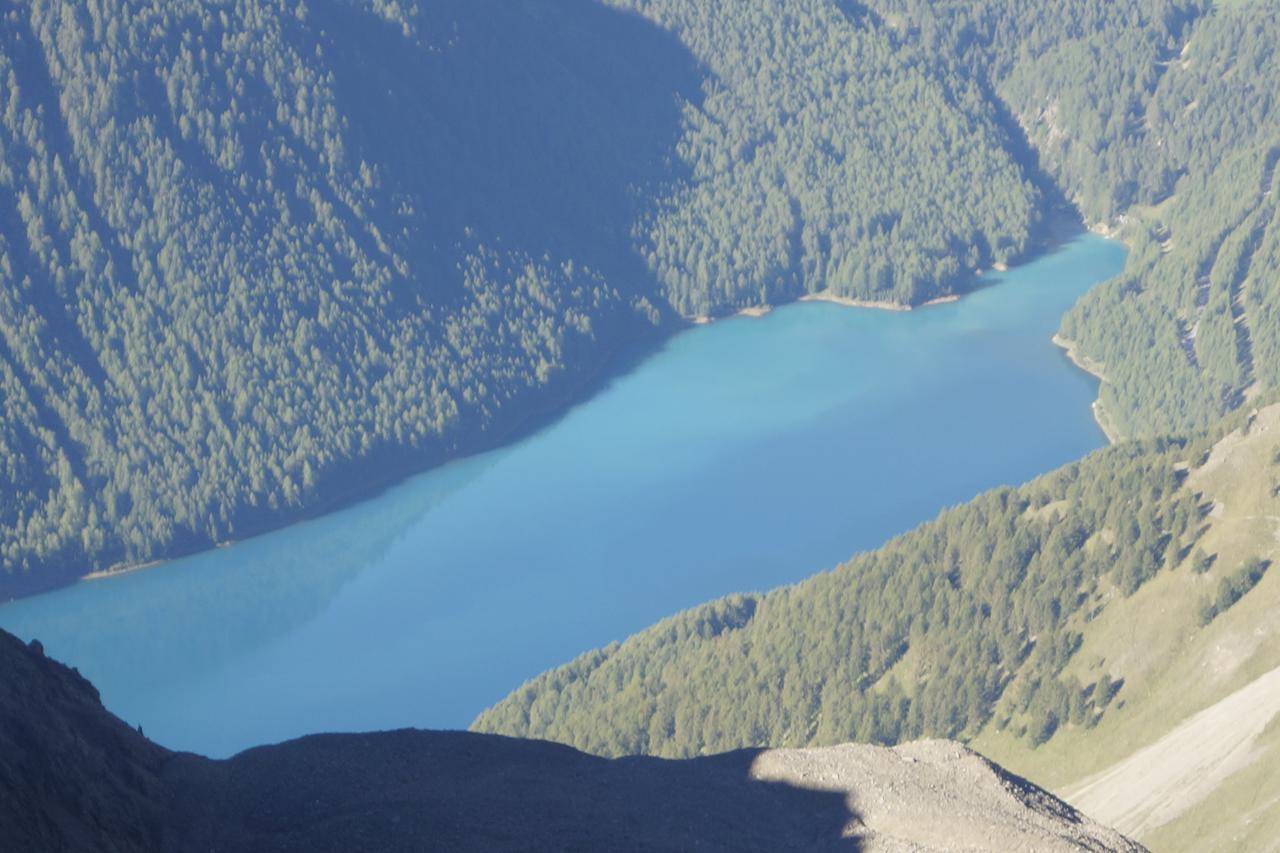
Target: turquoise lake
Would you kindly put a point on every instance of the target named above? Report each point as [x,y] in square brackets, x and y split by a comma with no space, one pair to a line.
[743,455]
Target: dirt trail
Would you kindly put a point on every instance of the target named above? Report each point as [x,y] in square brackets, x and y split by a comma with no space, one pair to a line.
[1162,781]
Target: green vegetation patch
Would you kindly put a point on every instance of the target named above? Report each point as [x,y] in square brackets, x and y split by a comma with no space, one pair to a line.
[1232,588]
[923,637]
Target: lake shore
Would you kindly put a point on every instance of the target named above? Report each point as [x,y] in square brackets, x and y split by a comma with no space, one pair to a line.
[579,386]
[121,569]
[574,387]
[1060,227]
[878,305]
[749,311]
[446,565]
[1072,351]
[823,296]
[341,498]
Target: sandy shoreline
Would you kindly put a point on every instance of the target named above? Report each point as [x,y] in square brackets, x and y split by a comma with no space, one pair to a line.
[126,568]
[1100,417]
[848,301]
[749,311]
[538,417]
[824,296]
[1072,351]
[121,569]
[1080,360]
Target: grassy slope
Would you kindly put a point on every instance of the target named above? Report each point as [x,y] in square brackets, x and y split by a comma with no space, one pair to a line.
[1173,668]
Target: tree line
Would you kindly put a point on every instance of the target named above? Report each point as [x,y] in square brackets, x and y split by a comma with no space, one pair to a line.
[967,621]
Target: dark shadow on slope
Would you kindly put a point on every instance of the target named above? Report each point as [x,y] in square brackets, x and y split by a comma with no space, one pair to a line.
[859,14]
[74,777]
[414,790]
[55,301]
[1063,219]
[545,129]
[538,131]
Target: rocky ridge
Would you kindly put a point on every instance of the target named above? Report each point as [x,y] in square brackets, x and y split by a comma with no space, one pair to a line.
[75,777]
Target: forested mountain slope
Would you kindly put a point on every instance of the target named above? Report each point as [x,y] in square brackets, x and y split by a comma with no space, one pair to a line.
[1064,625]
[228,295]
[1158,121]
[1188,761]
[259,257]
[1072,75]
[922,636]
[830,154]
[1192,329]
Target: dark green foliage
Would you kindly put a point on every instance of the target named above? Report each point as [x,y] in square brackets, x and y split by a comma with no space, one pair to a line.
[228,294]
[1192,328]
[1105,690]
[924,637]
[830,153]
[1232,588]
[257,257]
[1073,74]
[1130,104]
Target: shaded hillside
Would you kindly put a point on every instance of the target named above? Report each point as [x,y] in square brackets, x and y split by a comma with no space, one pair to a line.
[228,298]
[1157,120]
[73,777]
[259,259]
[1192,329]
[1070,75]
[830,154]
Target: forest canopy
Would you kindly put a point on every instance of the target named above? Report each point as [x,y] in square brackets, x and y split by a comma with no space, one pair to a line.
[259,256]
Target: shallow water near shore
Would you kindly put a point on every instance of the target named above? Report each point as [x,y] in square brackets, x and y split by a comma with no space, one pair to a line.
[745,454]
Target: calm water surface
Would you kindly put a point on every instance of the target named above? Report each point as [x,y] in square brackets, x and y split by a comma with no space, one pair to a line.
[744,455]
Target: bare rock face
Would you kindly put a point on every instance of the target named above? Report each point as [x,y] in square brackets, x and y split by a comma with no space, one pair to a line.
[74,777]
